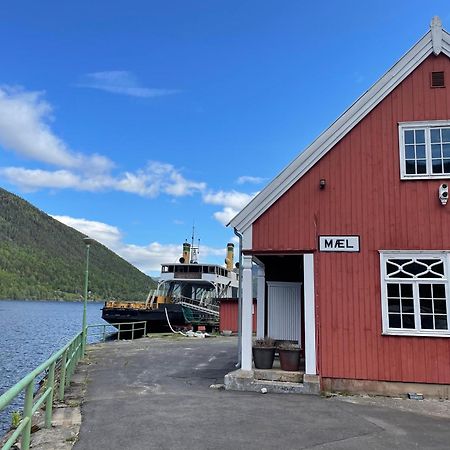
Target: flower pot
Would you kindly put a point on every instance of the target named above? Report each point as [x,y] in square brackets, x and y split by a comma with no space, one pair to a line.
[263,357]
[290,360]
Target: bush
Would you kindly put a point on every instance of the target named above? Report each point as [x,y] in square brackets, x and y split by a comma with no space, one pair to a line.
[264,343]
[286,345]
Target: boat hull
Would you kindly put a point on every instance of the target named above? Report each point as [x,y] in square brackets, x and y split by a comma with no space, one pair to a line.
[156,318]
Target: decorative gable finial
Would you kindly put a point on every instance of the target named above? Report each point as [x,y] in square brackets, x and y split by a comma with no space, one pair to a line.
[436,34]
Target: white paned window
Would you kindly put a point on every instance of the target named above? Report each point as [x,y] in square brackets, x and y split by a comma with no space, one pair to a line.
[425,149]
[415,293]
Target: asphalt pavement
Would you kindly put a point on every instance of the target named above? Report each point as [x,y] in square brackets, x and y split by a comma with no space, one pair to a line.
[154,393]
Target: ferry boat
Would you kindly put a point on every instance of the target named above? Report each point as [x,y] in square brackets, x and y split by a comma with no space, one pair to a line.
[187,295]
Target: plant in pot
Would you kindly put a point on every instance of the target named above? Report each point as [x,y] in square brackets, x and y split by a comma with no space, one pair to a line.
[263,353]
[289,356]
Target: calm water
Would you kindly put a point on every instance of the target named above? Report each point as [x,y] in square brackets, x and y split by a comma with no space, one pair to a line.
[30,332]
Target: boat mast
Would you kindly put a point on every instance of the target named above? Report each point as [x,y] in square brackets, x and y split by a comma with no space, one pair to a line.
[195,250]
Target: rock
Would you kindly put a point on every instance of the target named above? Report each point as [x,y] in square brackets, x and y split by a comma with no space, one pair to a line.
[415,396]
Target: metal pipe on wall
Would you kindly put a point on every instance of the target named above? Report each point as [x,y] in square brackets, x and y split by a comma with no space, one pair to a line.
[239,235]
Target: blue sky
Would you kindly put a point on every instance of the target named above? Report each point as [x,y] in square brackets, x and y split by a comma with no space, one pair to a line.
[131,120]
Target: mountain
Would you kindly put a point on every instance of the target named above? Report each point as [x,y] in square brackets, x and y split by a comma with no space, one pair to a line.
[41,258]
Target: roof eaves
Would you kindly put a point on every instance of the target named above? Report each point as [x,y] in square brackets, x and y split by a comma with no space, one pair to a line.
[446,42]
[337,130]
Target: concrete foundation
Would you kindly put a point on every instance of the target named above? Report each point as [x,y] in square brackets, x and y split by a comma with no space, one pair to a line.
[272,380]
[278,375]
[385,388]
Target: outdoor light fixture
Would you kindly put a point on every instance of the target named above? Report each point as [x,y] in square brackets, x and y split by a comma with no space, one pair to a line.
[443,193]
[87,241]
[322,183]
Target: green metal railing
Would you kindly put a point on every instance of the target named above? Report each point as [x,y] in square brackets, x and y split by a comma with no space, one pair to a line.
[66,359]
[60,366]
[125,329]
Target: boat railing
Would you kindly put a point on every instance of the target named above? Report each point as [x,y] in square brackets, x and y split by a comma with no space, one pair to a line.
[50,380]
[199,305]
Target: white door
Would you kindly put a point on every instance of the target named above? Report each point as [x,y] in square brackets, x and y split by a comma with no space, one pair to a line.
[284,311]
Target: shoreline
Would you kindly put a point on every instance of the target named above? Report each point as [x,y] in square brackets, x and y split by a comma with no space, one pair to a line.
[48,300]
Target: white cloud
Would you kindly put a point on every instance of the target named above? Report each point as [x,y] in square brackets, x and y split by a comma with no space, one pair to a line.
[232,202]
[121,82]
[33,179]
[147,258]
[225,215]
[108,235]
[169,180]
[157,178]
[234,199]
[25,130]
[137,183]
[249,179]
[235,240]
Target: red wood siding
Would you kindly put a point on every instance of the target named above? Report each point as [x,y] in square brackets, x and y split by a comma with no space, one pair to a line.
[365,196]
[229,314]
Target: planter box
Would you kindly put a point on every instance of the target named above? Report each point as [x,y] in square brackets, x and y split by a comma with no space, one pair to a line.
[290,360]
[263,357]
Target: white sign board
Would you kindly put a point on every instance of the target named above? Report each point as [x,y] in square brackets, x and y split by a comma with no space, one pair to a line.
[339,243]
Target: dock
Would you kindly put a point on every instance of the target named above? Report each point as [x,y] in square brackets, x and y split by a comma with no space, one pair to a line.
[155,393]
[167,393]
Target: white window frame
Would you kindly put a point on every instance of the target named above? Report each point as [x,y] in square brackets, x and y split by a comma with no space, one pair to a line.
[387,254]
[426,126]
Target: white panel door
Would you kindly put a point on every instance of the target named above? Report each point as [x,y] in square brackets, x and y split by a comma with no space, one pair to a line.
[284,311]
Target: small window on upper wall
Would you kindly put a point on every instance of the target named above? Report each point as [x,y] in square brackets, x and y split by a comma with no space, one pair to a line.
[424,149]
[437,79]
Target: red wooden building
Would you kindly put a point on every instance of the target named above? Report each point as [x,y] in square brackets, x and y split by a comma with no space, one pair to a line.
[354,236]
[229,313]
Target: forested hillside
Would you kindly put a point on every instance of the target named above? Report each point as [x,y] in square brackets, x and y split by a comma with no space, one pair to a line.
[41,258]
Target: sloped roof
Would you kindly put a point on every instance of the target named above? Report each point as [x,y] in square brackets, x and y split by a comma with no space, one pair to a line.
[435,41]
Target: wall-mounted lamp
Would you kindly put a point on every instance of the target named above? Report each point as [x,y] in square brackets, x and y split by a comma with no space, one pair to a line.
[322,183]
[443,193]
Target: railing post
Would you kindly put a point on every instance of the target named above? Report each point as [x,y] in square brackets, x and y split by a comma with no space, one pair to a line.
[62,378]
[49,402]
[27,413]
[145,328]
[104,333]
[132,331]
[118,334]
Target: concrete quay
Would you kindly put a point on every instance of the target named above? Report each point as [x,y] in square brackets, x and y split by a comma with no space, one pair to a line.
[155,393]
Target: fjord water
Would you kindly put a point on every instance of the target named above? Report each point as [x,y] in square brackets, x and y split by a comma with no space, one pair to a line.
[30,331]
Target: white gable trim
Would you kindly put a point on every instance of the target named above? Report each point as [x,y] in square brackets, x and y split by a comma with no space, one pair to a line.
[436,34]
[343,125]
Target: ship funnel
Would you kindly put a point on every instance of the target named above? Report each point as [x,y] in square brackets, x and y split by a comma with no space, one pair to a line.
[229,260]
[186,252]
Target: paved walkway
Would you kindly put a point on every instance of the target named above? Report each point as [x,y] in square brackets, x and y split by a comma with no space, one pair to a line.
[154,394]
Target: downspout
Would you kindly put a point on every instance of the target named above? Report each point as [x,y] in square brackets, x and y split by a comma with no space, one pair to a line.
[239,235]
